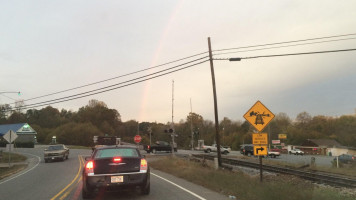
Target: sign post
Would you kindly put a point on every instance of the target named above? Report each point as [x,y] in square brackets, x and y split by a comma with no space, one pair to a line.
[10,136]
[259,116]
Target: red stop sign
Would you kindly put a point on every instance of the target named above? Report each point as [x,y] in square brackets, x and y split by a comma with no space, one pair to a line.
[137,138]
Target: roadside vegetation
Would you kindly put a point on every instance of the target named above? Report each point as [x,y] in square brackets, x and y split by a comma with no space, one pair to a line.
[4,157]
[78,147]
[14,168]
[344,169]
[246,187]
[95,118]
[6,171]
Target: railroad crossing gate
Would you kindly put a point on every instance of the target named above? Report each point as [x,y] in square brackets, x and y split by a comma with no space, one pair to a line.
[259,116]
[260,150]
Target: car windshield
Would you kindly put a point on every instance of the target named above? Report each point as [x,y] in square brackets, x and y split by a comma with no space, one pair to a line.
[173,82]
[53,148]
[122,152]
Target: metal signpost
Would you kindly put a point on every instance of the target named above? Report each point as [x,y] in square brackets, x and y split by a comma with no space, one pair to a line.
[10,136]
[259,116]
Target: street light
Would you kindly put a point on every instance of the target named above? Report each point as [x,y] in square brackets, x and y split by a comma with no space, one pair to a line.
[18,93]
[234,59]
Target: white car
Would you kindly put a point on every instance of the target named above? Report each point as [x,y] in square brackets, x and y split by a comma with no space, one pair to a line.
[296,152]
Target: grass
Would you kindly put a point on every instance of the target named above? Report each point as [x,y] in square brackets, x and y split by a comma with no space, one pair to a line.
[6,171]
[343,170]
[14,157]
[347,170]
[77,147]
[245,187]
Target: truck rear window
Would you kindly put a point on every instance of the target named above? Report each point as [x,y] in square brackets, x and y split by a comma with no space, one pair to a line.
[108,153]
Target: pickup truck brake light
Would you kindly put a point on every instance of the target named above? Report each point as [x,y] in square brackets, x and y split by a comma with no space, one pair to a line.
[148,146]
[89,167]
[143,165]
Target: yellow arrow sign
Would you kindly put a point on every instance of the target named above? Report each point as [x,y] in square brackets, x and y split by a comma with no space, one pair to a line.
[260,150]
[259,116]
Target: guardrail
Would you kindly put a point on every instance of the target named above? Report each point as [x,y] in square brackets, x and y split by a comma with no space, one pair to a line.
[319,177]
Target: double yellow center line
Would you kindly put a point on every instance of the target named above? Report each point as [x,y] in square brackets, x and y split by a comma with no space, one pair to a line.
[65,191]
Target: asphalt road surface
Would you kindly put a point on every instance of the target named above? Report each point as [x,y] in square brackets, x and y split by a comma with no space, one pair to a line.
[62,180]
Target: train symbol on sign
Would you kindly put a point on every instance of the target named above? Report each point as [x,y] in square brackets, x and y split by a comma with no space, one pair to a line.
[259,117]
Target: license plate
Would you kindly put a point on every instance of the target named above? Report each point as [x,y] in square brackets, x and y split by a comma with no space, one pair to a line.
[117,179]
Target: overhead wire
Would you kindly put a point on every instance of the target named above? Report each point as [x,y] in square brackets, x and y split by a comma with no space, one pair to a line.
[121,76]
[286,42]
[108,88]
[292,45]
[219,50]
[289,54]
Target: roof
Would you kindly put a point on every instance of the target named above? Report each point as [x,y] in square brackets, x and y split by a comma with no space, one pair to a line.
[6,127]
[325,142]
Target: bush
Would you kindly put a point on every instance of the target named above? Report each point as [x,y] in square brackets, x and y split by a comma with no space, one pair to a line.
[24,145]
[3,143]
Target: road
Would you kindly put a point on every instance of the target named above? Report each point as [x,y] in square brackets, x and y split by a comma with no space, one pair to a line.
[62,180]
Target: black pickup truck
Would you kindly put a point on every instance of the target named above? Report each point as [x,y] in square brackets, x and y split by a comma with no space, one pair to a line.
[159,146]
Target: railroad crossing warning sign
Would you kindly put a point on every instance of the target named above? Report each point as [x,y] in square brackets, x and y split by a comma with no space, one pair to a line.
[260,150]
[259,116]
[259,138]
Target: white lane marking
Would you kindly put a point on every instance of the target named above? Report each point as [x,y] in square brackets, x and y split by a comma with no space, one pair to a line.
[39,160]
[190,192]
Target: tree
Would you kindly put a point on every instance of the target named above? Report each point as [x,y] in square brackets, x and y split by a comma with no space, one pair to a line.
[5,111]
[16,117]
[303,118]
[279,125]
[100,116]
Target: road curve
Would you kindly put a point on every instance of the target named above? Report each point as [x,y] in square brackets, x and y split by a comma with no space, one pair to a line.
[62,180]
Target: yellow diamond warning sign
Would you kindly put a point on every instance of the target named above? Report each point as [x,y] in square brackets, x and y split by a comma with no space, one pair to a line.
[259,116]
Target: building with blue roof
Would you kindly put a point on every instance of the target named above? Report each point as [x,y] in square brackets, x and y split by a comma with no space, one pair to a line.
[24,131]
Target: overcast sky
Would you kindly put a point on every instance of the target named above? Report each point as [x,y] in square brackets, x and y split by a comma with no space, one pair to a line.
[51,46]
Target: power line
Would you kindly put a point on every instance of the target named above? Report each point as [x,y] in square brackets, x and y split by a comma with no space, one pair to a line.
[64,99]
[86,85]
[290,54]
[327,41]
[8,97]
[286,42]
[124,75]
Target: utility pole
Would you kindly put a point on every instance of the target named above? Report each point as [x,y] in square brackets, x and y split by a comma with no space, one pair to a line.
[191,124]
[172,125]
[217,136]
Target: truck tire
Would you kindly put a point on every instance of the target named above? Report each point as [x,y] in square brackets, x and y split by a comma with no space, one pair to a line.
[249,154]
[273,156]
[154,151]
[208,150]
